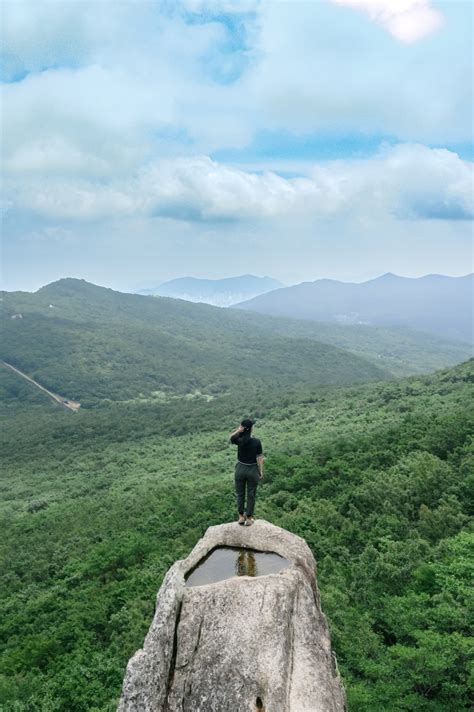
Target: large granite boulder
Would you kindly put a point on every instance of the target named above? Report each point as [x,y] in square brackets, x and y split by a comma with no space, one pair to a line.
[238,645]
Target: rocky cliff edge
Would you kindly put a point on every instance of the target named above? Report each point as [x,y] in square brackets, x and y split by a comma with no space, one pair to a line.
[238,645]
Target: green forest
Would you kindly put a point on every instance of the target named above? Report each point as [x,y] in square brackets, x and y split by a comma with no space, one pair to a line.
[376,473]
[93,344]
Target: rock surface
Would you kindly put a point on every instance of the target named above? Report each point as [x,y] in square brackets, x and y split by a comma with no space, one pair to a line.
[238,645]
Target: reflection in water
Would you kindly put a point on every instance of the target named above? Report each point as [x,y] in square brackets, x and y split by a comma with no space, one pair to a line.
[246,564]
[226,562]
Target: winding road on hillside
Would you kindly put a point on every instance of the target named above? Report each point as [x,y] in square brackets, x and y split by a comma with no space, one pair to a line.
[66,402]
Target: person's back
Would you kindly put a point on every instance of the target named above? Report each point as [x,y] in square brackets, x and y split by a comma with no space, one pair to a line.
[248,469]
[248,448]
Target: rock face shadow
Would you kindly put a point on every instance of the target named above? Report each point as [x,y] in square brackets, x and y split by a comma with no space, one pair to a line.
[225,562]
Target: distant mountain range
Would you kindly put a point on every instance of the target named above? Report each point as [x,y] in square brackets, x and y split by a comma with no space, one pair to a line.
[435,303]
[94,345]
[219,292]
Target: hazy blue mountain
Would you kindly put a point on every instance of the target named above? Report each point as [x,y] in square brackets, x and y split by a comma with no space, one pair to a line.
[219,292]
[435,303]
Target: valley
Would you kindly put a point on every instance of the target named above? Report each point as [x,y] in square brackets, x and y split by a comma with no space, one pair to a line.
[373,471]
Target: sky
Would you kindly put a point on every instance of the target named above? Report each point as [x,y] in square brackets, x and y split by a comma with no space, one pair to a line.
[144,140]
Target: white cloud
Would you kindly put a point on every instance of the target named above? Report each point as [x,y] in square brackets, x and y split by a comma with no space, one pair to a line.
[323,69]
[407,20]
[115,105]
[406,181]
[112,91]
[108,134]
[124,82]
[112,88]
[104,114]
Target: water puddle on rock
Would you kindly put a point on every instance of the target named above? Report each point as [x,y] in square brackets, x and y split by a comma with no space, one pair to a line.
[225,562]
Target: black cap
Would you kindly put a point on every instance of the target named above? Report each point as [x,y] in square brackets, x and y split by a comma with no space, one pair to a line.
[247,423]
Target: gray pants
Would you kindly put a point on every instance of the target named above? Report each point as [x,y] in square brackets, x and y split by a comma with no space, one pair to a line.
[246,476]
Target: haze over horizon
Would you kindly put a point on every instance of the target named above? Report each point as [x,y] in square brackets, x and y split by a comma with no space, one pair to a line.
[301,140]
[149,285]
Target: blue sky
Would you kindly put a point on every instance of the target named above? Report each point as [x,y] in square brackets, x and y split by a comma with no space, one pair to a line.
[148,140]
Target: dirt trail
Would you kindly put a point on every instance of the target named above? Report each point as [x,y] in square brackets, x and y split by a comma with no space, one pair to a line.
[69,404]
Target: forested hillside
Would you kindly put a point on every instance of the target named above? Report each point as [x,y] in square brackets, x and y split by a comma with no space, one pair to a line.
[93,344]
[400,350]
[378,479]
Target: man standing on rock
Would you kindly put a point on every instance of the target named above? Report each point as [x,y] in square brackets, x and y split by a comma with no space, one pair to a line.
[248,469]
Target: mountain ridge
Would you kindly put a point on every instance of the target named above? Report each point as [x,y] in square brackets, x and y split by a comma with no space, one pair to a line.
[219,292]
[93,344]
[437,304]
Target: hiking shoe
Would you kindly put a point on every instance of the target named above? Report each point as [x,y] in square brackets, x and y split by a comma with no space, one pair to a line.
[241,519]
[249,521]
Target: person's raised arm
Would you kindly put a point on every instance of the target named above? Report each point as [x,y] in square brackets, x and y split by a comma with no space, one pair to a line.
[236,432]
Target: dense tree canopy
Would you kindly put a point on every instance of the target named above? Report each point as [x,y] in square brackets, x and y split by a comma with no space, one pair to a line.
[97,505]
